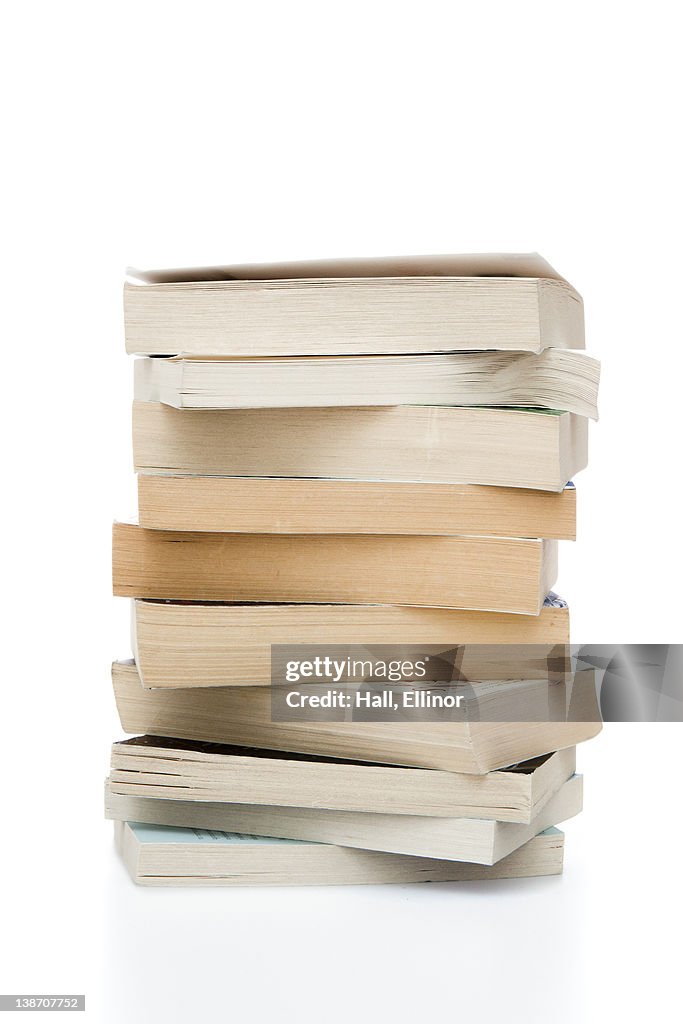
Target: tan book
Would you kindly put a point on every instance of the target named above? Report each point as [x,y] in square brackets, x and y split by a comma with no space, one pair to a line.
[553,379]
[264,505]
[352,307]
[537,449]
[194,645]
[474,840]
[479,573]
[242,716]
[170,769]
[162,855]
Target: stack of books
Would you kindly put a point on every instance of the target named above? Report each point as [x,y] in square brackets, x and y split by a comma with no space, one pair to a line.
[368,452]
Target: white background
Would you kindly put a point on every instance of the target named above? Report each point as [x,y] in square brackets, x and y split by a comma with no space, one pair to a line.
[161,134]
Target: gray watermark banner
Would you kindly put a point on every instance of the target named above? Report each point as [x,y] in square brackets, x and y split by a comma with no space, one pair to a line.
[476,682]
[19,1003]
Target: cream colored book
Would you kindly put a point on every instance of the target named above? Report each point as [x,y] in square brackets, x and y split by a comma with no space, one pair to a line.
[553,379]
[537,449]
[163,855]
[354,307]
[169,769]
[215,504]
[475,840]
[479,573]
[242,716]
[180,644]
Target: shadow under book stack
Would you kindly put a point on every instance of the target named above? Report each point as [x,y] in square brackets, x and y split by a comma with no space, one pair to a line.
[371,452]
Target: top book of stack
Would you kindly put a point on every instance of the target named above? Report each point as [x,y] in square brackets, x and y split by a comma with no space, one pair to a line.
[413,305]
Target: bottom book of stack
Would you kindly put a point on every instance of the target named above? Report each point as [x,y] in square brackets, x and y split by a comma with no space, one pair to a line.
[168,855]
[207,814]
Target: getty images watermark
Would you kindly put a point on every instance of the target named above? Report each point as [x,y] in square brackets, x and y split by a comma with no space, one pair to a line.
[476,682]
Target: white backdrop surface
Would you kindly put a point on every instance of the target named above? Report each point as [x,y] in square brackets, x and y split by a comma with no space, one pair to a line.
[162,134]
